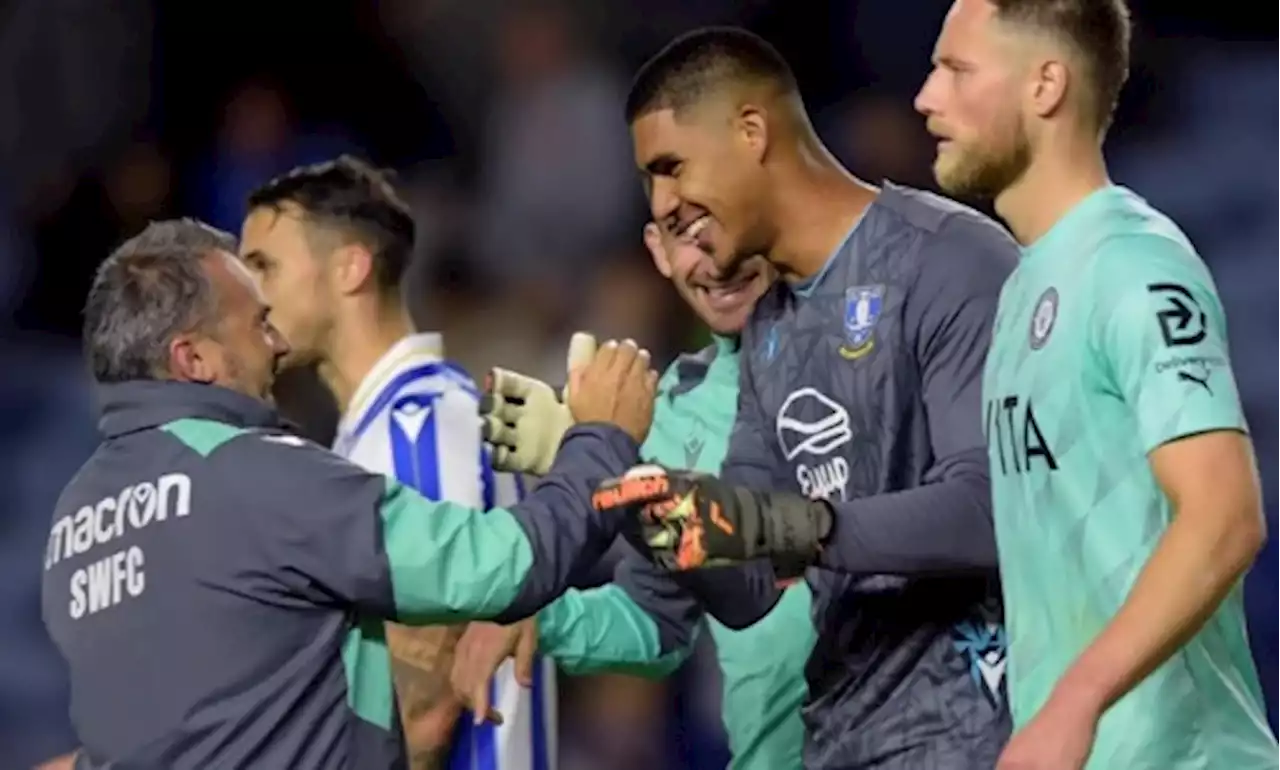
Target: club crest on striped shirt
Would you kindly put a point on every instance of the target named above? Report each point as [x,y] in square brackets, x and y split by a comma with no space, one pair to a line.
[862,306]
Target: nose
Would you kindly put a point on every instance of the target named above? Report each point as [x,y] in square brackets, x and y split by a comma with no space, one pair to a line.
[924,102]
[664,199]
[279,345]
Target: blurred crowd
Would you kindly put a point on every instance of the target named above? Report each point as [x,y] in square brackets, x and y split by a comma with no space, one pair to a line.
[504,120]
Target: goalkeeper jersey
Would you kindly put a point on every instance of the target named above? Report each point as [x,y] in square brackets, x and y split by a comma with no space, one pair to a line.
[415,417]
[619,627]
[1110,341]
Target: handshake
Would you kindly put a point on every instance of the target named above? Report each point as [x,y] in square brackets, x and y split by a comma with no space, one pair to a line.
[682,520]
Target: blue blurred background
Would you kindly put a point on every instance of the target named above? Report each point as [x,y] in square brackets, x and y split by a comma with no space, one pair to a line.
[504,119]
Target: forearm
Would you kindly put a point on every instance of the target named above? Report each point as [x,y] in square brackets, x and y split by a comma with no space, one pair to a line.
[420,662]
[737,596]
[567,537]
[1200,559]
[449,563]
[604,630]
[938,528]
[602,572]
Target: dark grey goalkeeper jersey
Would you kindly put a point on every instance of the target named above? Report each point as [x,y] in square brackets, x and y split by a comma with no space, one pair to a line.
[862,386]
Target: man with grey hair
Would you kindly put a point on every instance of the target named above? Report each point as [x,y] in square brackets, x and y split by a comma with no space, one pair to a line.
[219,586]
[163,284]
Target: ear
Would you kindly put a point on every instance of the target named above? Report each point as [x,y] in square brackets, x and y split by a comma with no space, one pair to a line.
[1049,86]
[190,360]
[351,267]
[653,240]
[752,126]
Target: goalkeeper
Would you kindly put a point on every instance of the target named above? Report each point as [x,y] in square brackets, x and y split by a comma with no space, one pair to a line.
[638,624]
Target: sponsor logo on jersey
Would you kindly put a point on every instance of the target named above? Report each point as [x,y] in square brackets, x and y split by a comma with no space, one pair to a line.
[862,306]
[1194,370]
[982,642]
[1181,319]
[1015,442]
[1043,318]
[1196,374]
[117,577]
[812,425]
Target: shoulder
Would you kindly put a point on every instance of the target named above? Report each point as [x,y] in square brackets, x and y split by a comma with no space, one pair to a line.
[439,385]
[265,461]
[221,443]
[412,388]
[433,377]
[952,238]
[1141,252]
[1153,246]
[924,210]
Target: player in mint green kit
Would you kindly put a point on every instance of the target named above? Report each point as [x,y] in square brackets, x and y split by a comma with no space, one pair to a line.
[1125,492]
[644,627]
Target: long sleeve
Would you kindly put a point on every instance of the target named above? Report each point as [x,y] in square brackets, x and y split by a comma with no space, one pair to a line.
[943,525]
[605,630]
[643,623]
[741,595]
[338,534]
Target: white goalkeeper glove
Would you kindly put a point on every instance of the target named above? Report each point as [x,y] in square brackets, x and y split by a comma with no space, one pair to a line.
[524,418]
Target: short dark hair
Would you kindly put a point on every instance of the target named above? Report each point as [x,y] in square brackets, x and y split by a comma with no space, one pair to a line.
[1099,30]
[150,289]
[355,199]
[698,63]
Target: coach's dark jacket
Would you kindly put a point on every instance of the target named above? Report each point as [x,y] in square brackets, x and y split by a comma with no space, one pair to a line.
[218,585]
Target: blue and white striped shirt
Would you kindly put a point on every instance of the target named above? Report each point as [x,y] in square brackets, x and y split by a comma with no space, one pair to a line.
[416,417]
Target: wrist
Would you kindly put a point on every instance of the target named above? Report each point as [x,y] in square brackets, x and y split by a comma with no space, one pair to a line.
[795,529]
[1080,692]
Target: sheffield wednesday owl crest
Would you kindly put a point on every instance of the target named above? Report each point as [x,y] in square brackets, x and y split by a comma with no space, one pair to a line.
[862,305]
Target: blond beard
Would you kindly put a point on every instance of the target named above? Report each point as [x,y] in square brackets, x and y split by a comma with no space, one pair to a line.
[984,172]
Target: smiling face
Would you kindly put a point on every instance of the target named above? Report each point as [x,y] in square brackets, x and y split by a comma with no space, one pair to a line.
[972,101]
[724,304]
[705,180]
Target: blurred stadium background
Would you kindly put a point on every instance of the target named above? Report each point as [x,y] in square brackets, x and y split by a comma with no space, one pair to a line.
[504,120]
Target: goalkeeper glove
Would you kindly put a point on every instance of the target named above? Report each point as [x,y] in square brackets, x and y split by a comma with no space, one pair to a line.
[524,419]
[689,520]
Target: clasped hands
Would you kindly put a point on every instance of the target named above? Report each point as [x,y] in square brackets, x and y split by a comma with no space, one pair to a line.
[681,519]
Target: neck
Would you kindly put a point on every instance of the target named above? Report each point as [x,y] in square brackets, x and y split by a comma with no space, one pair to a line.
[817,202]
[1060,175]
[359,339]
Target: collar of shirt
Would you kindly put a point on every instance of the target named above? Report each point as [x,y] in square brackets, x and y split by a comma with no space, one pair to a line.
[127,407]
[413,350]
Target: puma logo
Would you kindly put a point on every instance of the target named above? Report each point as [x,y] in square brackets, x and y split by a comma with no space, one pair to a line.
[1202,381]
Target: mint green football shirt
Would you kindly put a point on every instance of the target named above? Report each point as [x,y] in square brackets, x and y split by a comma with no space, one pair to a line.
[1110,341]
